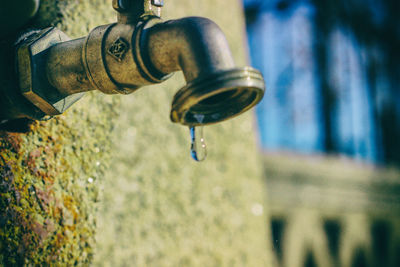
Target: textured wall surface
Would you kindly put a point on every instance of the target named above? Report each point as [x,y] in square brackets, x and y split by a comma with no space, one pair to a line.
[118,166]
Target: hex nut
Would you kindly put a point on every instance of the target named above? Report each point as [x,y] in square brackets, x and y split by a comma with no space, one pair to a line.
[32,75]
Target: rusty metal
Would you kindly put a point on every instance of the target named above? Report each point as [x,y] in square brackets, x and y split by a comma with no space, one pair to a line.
[130,11]
[140,50]
[33,83]
[217,97]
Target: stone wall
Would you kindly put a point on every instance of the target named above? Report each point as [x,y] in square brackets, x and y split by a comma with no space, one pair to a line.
[117,166]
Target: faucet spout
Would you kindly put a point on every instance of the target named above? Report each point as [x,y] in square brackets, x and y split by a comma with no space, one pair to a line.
[215,89]
[195,45]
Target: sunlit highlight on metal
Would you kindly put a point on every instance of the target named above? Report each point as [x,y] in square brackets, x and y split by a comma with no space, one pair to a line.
[139,50]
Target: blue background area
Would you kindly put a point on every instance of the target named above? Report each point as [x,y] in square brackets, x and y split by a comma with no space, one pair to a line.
[294,114]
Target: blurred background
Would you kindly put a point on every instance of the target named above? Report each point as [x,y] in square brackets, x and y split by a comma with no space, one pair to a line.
[333,76]
[329,128]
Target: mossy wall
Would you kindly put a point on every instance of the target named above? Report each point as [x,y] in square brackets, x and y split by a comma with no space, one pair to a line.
[117,166]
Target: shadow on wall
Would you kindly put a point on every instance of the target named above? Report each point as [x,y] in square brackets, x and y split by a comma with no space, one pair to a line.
[333,73]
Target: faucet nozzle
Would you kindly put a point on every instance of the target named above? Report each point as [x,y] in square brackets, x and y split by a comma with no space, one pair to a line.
[217,97]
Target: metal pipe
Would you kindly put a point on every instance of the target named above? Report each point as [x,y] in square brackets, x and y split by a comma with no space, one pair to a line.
[54,72]
[195,45]
[120,58]
[64,68]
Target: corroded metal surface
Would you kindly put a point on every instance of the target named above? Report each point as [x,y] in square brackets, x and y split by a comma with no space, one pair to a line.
[34,84]
[121,57]
[130,11]
[217,97]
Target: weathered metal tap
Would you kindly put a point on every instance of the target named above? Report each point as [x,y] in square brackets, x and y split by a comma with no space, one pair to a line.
[119,58]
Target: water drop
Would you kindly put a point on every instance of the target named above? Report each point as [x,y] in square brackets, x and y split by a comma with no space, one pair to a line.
[198,147]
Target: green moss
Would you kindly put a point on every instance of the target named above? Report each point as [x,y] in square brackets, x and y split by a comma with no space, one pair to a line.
[49,177]
[49,188]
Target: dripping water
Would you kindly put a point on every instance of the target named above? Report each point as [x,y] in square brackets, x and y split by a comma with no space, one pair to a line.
[198,147]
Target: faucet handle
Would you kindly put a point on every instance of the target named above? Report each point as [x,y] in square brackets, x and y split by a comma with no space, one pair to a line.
[129,11]
[159,3]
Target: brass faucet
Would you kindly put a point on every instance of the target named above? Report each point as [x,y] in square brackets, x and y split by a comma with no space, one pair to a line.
[140,49]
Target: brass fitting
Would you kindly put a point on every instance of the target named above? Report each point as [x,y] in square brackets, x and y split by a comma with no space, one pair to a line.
[140,50]
[33,84]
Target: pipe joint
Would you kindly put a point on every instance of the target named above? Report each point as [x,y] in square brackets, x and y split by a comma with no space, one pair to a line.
[119,58]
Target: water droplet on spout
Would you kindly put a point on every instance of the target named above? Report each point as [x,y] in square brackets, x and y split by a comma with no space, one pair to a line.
[198,147]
